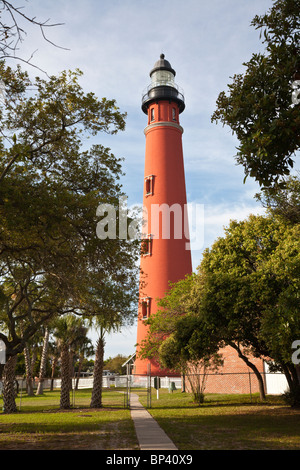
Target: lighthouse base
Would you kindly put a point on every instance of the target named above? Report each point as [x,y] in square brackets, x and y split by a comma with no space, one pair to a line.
[152,368]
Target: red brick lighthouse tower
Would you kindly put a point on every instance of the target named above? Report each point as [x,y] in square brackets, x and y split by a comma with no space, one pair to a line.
[166,255]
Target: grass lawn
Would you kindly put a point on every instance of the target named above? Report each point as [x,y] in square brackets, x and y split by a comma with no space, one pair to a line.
[226,422]
[223,422]
[40,425]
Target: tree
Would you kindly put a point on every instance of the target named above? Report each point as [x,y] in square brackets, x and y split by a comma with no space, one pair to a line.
[258,107]
[245,295]
[30,356]
[12,32]
[283,202]
[181,341]
[54,358]
[85,349]
[50,188]
[44,129]
[190,349]
[250,280]
[280,325]
[8,380]
[68,329]
[49,192]
[114,364]
[114,309]
[96,399]
[227,304]
[163,324]
[40,387]
[29,378]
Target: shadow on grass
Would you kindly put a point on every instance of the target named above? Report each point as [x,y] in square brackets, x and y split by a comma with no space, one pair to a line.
[180,399]
[186,401]
[207,404]
[262,428]
[64,421]
[227,422]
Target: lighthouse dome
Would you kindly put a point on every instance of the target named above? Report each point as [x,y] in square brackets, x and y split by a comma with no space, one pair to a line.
[162,64]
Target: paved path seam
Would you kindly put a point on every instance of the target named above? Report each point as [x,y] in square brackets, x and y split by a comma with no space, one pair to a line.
[149,434]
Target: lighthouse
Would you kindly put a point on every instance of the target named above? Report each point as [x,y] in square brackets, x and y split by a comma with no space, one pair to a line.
[165,253]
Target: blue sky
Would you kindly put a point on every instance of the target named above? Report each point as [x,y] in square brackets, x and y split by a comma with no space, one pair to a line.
[115,43]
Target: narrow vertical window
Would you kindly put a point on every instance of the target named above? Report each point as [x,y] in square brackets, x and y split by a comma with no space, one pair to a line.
[147,246]
[145,308]
[174,114]
[149,183]
[152,114]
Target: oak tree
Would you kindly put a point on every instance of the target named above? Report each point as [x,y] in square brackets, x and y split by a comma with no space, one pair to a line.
[51,184]
[258,104]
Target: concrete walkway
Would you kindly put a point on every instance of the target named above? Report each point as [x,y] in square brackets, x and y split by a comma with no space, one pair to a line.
[149,433]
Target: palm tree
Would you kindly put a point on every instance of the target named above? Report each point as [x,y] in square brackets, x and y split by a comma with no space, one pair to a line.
[8,380]
[28,368]
[86,349]
[43,362]
[104,325]
[96,400]
[67,330]
[54,354]
[111,307]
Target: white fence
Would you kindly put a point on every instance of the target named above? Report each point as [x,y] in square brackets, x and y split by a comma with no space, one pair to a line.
[276,383]
[120,381]
[142,381]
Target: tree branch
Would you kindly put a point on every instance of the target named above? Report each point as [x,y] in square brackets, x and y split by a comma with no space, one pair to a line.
[12,34]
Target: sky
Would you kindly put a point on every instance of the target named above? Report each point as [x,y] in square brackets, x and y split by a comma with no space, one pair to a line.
[116,43]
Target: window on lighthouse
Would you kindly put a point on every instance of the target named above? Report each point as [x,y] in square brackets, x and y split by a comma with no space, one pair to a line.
[149,182]
[145,308]
[147,246]
[152,117]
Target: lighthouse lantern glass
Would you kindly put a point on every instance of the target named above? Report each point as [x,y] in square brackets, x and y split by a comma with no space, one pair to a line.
[162,77]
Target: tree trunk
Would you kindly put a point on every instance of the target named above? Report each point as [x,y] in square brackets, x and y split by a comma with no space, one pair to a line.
[81,359]
[40,387]
[2,357]
[96,401]
[1,370]
[29,384]
[53,367]
[293,378]
[65,378]
[297,367]
[8,379]
[287,375]
[33,359]
[260,380]
[71,360]
[297,387]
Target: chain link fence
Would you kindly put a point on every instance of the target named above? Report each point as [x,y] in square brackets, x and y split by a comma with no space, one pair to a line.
[120,386]
[236,383]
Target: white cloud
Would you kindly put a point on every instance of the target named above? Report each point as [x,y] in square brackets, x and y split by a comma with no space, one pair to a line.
[213,220]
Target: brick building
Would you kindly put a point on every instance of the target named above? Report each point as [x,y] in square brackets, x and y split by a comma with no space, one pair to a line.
[233,377]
